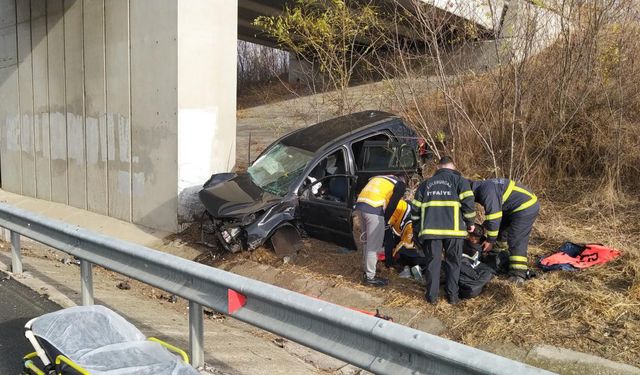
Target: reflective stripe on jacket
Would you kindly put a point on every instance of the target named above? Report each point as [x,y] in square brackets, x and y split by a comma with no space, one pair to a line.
[500,197]
[443,206]
[381,195]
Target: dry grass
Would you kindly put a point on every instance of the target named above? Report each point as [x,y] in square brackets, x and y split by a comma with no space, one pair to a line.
[573,130]
[264,93]
[596,310]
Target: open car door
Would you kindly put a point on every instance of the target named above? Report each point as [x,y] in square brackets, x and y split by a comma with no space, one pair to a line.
[325,209]
[384,158]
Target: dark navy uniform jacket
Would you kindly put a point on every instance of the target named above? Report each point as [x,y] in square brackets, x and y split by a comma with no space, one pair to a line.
[501,197]
[443,206]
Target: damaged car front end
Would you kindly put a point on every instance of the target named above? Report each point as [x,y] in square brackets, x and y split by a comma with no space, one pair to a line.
[247,208]
[305,183]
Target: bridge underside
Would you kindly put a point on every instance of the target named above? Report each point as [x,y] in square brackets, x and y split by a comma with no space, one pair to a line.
[124,107]
[485,14]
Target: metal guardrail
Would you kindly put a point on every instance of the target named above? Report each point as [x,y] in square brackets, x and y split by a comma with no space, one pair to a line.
[370,343]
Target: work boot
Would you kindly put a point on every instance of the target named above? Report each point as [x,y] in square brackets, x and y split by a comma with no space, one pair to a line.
[518,277]
[416,272]
[405,273]
[375,281]
[517,280]
[435,302]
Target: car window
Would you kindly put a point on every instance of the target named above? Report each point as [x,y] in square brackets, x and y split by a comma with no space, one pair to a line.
[326,181]
[280,166]
[407,158]
[357,147]
[386,156]
[378,157]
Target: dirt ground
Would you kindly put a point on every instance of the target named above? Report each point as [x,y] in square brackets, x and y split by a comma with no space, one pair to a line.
[596,310]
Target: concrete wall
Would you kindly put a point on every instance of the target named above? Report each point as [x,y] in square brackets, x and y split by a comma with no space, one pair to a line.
[154,99]
[117,106]
[529,29]
[206,106]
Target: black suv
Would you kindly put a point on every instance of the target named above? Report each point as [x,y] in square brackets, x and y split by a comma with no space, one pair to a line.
[308,180]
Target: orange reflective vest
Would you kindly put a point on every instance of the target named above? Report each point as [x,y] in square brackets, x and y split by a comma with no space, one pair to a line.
[402,227]
[401,215]
[406,239]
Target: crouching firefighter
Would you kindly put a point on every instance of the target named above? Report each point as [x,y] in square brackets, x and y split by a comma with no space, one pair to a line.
[510,211]
[442,212]
[375,205]
[398,246]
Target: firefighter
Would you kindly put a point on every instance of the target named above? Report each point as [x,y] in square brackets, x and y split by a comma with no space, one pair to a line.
[510,211]
[376,203]
[442,213]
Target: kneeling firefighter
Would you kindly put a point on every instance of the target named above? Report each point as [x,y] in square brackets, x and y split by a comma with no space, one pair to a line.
[376,203]
[510,211]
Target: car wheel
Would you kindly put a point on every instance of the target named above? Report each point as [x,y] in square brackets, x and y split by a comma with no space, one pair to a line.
[286,241]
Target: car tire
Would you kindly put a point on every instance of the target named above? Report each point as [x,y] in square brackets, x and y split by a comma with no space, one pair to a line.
[286,241]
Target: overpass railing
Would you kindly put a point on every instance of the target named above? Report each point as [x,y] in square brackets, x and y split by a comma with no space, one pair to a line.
[371,343]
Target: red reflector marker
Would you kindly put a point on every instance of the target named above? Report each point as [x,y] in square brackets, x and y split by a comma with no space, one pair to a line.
[235,301]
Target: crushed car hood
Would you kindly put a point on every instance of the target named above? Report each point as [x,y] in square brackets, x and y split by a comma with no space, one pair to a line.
[233,196]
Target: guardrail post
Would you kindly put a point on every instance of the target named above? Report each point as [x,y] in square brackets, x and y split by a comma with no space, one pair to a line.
[86,282]
[196,334]
[16,257]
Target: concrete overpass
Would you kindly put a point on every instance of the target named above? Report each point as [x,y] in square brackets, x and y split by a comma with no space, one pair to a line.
[124,107]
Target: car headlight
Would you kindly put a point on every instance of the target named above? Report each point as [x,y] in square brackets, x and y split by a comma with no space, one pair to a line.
[248,219]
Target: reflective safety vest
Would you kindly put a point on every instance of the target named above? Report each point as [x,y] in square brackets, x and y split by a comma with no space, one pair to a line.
[501,196]
[406,239]
[443,206]
[400,223]
[400,218]
[378,191]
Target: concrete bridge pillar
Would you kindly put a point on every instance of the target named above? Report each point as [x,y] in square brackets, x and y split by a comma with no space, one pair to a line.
[121,107]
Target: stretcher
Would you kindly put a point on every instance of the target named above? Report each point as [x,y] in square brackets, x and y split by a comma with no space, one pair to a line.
[95,340]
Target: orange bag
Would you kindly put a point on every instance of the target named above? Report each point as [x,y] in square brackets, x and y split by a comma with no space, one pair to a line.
[592,255]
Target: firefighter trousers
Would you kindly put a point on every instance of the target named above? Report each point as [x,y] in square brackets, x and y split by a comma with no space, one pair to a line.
[517,229]
[452,256]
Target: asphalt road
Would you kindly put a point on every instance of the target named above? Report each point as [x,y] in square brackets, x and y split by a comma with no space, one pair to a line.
[18,305]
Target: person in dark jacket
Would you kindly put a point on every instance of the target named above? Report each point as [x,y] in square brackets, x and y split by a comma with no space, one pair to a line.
[376,204]
[473,244]
[474,274]
[442,212]
[510,211]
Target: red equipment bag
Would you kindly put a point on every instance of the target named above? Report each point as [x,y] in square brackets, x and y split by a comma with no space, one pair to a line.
[592,255]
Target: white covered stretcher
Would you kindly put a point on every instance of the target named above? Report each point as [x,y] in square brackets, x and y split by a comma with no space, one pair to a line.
[96,340]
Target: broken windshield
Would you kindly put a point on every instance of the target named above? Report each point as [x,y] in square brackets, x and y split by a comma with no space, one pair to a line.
[278,168]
